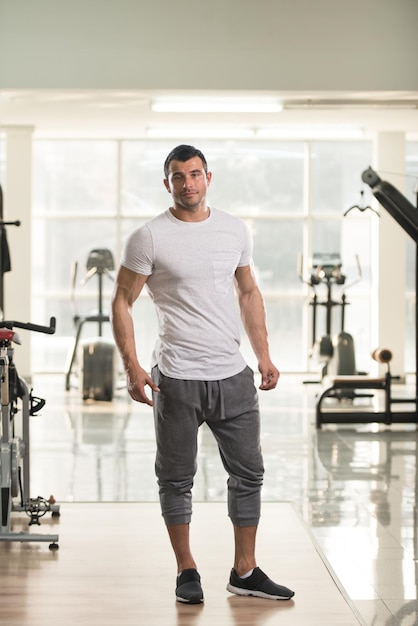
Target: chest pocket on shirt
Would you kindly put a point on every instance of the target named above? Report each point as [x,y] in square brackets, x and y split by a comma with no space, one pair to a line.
[223,273]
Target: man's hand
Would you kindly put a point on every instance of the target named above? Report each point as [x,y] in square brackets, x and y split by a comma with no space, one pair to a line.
[136,383]
[269,376]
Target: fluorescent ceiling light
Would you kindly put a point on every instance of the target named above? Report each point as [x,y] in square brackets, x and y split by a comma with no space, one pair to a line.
[371,104]
[205,132]
[285,131]
[310,132]
[216,105]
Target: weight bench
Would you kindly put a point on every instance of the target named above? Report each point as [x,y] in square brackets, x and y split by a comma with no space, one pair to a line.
[347,387]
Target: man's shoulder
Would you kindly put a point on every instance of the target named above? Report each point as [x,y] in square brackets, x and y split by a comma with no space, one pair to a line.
[152,225]
[146,231]
[220,215]
[161,218]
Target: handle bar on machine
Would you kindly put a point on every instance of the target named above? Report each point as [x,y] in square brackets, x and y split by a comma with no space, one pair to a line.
[49,330]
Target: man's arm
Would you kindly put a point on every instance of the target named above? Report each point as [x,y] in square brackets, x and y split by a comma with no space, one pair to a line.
[254,319]
[128,286]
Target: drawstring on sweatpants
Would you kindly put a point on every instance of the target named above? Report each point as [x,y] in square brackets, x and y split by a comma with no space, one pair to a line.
[213,386]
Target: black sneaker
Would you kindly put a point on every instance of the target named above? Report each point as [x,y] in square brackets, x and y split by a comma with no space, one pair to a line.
[188,587]
[259,585]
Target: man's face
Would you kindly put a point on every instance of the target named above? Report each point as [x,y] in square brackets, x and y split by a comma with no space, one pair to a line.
[187,183]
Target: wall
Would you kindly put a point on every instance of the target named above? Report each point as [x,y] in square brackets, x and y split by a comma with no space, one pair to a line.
[222,44]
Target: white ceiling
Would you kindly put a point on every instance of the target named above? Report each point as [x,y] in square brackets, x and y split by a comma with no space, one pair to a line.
[127,113]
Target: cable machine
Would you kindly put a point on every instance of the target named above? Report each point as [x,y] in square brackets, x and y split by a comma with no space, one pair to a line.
[334,352]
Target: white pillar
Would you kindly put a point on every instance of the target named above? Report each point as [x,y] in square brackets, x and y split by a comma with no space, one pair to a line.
[18,206]
[388,256]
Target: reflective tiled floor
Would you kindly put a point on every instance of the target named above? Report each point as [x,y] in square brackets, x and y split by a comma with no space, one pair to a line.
[356,487]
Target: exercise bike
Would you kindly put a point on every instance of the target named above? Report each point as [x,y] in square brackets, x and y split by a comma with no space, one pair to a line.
[18,402]
[335,354]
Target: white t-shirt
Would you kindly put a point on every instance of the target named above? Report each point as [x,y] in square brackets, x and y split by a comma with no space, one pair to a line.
[191,267]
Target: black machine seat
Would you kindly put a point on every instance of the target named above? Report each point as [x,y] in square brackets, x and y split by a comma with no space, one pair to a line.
[357,381]
[100,259]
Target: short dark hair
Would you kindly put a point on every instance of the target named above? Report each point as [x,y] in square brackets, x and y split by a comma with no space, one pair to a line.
[184,153]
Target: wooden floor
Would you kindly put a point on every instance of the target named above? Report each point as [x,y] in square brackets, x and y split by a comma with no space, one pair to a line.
[114,567]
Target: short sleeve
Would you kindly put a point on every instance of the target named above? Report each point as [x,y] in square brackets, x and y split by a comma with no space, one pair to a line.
[247,246]
[138,252]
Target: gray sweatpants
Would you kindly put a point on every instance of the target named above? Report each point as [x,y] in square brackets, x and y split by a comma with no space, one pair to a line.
[230,409]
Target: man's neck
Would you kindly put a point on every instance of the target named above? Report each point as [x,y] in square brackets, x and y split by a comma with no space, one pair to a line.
[190,215]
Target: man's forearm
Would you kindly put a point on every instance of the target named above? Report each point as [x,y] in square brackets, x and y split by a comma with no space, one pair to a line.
[136,377]
[253,316]
[123,332]
[254,320]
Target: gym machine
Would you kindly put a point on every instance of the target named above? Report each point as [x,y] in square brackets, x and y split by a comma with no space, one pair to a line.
[406,215]
[17,405]
[338,385]
[97,371]
[334,353]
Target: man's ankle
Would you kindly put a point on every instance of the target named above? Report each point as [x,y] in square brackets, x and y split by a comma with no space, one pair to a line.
[186,565]
[243,567]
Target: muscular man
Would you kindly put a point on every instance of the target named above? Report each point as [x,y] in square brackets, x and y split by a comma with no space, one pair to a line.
[192,258]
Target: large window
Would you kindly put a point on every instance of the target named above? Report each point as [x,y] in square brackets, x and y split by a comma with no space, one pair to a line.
[92,194]
[334,187]
[75,210]
[411,257]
